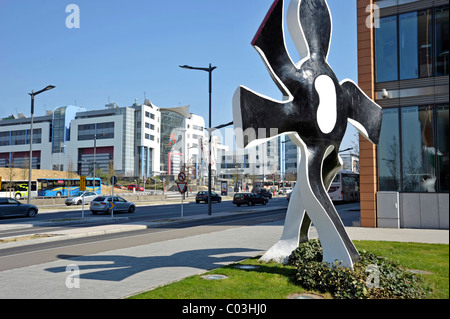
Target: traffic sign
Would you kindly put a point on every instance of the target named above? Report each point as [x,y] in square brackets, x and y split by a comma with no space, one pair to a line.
[113,180]
[112,205]
[182,187]
[182,177]
[82,183]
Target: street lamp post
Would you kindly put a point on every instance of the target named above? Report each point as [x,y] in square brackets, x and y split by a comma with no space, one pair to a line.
[95,154]
[210,69]
[33,94]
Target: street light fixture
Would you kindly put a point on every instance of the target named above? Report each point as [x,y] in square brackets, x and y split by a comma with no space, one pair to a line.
[33,94]
[347,149]
[210,69]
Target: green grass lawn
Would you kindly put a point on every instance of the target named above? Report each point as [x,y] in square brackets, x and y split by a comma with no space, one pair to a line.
[275,281]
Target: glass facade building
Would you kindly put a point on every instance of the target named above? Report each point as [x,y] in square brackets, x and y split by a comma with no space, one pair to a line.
[412,45]
[404,66]
[171,121]
[413,150]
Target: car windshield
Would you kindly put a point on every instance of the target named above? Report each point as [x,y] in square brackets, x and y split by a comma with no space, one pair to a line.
[99,199]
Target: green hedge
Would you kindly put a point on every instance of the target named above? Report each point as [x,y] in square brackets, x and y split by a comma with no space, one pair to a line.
[372,276]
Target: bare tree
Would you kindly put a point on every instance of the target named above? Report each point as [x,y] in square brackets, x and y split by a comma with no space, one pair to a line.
[25,168]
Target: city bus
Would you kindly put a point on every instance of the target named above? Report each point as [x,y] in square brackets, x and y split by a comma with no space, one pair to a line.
[17,189]
[345,187]
[62,187]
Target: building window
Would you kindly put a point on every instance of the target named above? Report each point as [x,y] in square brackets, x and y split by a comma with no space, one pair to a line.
[425,42]
[408,48]
[4,138]
[389,152]
[102,130]
[419,173]
[86,132]
[442,134]
[150,115]
[442,36]
[413,152]
[20,137]
[386,50]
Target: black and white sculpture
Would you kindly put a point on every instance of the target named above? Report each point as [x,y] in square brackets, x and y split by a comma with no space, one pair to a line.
[314,115]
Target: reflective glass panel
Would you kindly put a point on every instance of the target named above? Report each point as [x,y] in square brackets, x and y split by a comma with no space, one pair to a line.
[418,149]
[389,152]
[386,50]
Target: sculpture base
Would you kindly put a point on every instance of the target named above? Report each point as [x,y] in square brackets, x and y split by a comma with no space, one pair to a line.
[280,252]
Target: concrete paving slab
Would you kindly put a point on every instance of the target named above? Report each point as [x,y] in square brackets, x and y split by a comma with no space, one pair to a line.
[122,272]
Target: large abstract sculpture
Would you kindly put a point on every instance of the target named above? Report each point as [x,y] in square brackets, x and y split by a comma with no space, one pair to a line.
[314,114]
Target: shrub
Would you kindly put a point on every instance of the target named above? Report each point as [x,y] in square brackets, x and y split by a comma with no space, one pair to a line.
[372,276]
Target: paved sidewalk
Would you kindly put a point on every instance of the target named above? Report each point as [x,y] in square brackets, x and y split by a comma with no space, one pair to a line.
[123,272]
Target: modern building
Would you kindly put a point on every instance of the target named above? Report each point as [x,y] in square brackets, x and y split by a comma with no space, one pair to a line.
[137,141]
[261,162]
[403,62]
[49,135]
[183,135]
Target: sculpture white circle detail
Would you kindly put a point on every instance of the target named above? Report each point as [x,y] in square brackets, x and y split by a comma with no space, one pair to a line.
[327,110]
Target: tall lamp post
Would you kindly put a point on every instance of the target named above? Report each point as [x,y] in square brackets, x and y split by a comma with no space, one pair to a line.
[95,154]
[33,94]
[210,69]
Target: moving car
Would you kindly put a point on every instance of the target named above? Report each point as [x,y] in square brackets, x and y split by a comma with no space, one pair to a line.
[202,196]
[12,207]
[285,190]
[102,204]
[262,191]
[135,186]
[248,199]
[77,198]
[119,186]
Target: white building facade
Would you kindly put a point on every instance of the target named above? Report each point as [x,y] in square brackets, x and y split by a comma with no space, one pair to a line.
[129,140]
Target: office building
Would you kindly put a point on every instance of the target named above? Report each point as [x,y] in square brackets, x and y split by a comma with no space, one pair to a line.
[136,141]
[403,62]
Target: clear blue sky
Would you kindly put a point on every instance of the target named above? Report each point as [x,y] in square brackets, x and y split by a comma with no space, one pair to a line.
[125,48]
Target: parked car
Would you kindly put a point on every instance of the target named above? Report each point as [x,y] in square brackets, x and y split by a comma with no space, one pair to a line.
[77,198]
[248,199]
[101,204]
[119,186]
[12,207]
[202,196]
[135,186]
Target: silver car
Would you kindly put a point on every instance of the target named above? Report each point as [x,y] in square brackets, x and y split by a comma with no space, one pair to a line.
[77,198]
[105,204]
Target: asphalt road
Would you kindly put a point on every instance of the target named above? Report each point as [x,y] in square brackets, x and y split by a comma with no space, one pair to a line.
[349,214]
[26,255]
[142,213]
